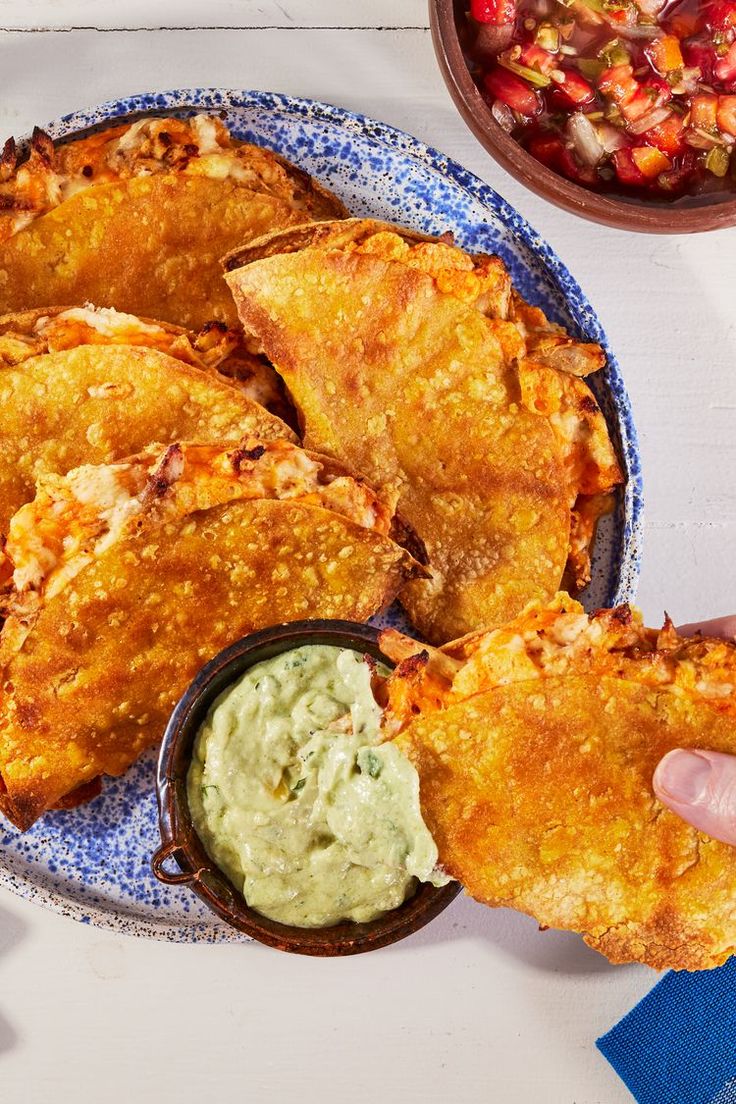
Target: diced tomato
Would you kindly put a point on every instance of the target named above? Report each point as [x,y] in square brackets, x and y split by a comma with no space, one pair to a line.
[676,180]
[548,149]
[684,24]
[650,161]
[722,14]
[700,55]
[703,111]
[552,152]
[625,16]
[626,169]
[581,174]
[512,90]
[534,57]
[665,54]
[726,114]
[725,69]
[574,87]
[654,93]
[493,11]
[667,136]
[618,83]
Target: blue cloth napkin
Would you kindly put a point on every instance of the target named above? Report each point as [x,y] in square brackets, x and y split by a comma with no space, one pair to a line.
[678,1045]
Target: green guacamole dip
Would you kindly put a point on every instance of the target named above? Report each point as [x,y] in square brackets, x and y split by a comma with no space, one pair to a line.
[314,824]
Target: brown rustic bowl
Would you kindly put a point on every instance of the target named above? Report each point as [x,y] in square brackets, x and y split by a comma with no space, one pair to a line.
[684,216]
[181,844]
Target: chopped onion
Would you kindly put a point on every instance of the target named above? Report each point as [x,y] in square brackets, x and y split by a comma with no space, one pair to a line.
[611,137]
[584,138]
[654,118]
[637,30]
[652,8]
[503,115]
[702,139]
[688,82]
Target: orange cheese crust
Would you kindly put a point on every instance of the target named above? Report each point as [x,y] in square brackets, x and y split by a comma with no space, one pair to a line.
[137,217]
[35,182]
[216,347]
[408,384]
[557,639]
[94,404]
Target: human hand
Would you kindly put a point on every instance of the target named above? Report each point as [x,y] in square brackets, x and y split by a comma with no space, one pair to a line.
[700,786]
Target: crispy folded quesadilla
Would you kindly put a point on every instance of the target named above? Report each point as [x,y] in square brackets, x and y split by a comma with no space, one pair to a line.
[137,216]
[536,745]
[96,403]
[480,280]
[404,358]
[216,347]
[127,577]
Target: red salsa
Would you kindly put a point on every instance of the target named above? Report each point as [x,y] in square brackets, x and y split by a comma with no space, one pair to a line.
[631,96]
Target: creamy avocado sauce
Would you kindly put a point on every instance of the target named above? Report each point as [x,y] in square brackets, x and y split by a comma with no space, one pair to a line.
[314,824]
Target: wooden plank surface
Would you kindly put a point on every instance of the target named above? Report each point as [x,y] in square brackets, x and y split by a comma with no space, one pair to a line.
[481,1006]
[286,14]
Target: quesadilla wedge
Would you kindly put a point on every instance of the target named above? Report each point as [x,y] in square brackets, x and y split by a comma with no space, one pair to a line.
[216,347]
[505,464]
[137,216]
[96,403]
[127,577]
[481,280]
[536,745]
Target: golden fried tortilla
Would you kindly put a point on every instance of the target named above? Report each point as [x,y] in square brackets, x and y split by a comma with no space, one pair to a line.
[95,403]
[480,280]
[137,216]
[396,372]
[127,577]
[216,347]
[536,745]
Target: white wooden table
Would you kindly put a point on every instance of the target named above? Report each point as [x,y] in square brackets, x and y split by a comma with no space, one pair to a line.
[480,1007]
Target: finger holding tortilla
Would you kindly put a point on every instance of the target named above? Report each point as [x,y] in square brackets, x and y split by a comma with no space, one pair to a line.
[536,745]
[126,578]
[700,786]
[719,626]
[93,404]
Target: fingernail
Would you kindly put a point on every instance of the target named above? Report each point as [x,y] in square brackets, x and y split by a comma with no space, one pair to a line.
[683,776]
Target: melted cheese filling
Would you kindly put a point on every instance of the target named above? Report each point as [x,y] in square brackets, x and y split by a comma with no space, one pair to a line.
[481,282]
[105,321]
[200,146]
[76,518]
[560,639]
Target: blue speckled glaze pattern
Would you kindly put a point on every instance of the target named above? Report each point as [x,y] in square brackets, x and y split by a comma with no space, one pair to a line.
[92,863]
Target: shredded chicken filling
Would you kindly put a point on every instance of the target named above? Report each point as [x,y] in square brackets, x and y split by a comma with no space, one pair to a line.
[557,639]
[76,518]
[200,146]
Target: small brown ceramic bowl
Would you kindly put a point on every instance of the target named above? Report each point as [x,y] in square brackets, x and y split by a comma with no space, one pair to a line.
[181,844]
[683,216]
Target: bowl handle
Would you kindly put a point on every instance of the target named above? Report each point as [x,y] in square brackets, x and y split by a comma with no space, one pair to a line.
[164,852]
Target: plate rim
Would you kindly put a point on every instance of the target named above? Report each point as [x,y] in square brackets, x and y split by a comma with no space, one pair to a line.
[557,275]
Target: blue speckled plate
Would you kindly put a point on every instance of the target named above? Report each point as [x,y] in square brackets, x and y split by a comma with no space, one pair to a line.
[93,863]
